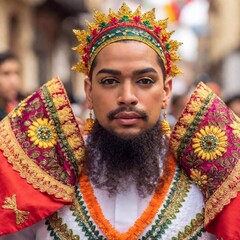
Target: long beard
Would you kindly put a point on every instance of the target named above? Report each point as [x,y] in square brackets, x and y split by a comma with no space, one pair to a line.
[113,162]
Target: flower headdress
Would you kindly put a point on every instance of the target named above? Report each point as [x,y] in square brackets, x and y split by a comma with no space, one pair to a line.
[126,25]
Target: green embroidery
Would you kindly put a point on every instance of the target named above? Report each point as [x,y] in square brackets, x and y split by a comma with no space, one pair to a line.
[83,218]
[193,231]
[53,111]
[130,33]
[58,230]
[192,127]
[171,207]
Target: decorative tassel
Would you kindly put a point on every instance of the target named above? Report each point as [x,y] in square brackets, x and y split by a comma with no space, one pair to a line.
[166,130]
[89,124]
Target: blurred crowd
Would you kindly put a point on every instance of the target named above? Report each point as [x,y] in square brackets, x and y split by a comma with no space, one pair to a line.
[43,30]
[10,95]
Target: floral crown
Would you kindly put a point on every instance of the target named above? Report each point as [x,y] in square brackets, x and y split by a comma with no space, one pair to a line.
[126,25]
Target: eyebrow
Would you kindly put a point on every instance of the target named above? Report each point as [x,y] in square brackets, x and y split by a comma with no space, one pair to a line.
[116,72]
[145,70]
[109,71]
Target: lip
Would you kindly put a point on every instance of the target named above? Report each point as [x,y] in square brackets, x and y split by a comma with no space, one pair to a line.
[127,115]
[127,118]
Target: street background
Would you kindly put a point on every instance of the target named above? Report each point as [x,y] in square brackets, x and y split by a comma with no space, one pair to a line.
[40,33]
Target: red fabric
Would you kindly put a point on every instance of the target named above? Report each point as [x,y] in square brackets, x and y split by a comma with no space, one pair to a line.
[227,224]
[40,205]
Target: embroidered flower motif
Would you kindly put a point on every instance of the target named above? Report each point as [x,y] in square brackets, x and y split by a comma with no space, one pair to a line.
[11,203]
[42,133]
[210,142]
[17,112]
[197,177]
[236,128]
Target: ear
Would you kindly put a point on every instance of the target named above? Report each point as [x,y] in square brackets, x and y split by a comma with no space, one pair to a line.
[88,92]
[167,92]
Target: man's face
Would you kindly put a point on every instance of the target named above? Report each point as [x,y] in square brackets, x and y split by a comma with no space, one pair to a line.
[9,80]
[127,91]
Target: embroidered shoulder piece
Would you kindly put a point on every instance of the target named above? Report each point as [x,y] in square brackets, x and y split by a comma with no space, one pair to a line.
[206,142]
[40,138]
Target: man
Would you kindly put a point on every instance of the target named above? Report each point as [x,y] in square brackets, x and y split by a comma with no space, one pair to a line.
[9,82]
[130,186]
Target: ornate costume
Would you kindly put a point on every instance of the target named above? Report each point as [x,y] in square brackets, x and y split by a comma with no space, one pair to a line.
[167,214]
[42,148]
[206,142]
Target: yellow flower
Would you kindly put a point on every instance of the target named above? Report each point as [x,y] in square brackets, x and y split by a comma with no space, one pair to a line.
[210,142]
[17,112]
[198,178]
[42,133]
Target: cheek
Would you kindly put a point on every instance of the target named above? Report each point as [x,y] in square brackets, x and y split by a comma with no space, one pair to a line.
[154,104]
[102,105]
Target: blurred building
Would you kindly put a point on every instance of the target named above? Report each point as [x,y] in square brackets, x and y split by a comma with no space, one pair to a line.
[224,44]
[39,32]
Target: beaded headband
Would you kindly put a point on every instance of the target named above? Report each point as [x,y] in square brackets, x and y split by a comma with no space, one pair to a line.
[126,25]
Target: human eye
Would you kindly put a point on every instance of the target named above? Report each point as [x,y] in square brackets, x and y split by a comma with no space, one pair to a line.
[109,81]
[145,81]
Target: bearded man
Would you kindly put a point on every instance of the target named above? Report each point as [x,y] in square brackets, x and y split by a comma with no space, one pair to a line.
[130,185]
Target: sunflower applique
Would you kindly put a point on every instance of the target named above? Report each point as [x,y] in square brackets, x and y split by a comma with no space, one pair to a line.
[209,143]
[42,133]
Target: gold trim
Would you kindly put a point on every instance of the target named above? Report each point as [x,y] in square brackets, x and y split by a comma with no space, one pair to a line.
[193,229]
[60,228]
[27,168]
[11,204]
[222,196]
[183,187]
[67,118]
[188,116]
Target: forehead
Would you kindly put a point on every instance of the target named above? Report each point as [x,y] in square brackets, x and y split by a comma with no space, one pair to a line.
[10,63]
[127,54]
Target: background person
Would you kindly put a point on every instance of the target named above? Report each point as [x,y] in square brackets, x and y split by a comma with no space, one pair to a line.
[9,83]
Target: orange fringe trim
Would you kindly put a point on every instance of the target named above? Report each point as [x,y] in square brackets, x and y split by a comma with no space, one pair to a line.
[147,216]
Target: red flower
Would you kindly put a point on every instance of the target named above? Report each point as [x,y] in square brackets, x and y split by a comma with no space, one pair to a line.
[157,30]
[168,57]
[86,49]
[137,19]
[164,38]
[94,32]
[113,21]
[168,70]
[85,58]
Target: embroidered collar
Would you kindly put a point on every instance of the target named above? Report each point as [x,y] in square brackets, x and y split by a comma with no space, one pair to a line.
[147,216]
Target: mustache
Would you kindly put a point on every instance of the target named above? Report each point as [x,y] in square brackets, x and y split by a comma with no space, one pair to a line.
[142,113]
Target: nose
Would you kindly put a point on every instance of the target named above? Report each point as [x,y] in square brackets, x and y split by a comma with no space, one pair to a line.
[127,95]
